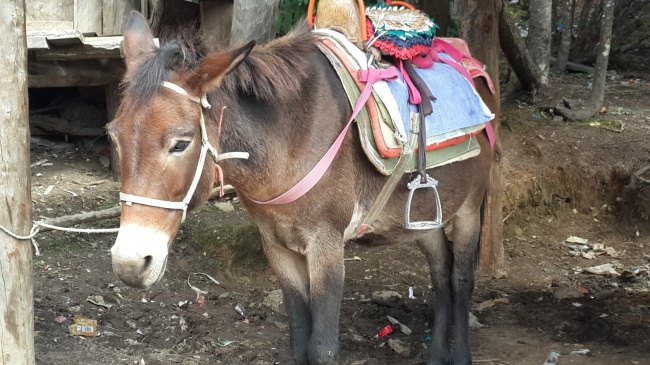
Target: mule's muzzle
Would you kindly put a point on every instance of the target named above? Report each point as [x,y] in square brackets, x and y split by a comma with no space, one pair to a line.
[139,255]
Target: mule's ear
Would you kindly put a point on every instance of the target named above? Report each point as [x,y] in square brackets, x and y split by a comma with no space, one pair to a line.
[215,66]
[138,41]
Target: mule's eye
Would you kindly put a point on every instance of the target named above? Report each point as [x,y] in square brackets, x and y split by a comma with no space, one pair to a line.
[180,146]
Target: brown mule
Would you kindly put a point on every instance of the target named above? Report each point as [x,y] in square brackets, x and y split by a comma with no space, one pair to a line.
[285,106]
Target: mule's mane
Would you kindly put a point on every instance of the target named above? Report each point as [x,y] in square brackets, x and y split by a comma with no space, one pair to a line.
[272,71]
[276,70]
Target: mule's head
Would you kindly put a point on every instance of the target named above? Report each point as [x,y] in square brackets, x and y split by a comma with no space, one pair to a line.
[157,136]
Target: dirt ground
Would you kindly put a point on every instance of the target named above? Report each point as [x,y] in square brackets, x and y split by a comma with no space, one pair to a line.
[561,180]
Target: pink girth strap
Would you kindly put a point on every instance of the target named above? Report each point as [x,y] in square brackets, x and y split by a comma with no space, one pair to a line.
[317,172]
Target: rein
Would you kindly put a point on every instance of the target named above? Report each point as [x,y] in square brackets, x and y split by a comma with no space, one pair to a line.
[206,146]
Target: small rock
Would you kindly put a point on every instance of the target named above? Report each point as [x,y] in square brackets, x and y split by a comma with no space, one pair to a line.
[400,347]
[388,298]
[405,330]
[225,295]
[473,321]
[275,301]
[224,206]
[104,161]
[566,292]
[357,338]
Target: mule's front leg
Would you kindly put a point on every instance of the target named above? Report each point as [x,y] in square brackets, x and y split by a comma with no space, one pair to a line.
[291,270]
[326,277]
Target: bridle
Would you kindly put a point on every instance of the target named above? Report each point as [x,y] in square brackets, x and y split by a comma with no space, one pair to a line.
[206,147]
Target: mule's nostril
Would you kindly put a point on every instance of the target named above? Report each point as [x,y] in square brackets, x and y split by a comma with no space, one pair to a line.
[147,262]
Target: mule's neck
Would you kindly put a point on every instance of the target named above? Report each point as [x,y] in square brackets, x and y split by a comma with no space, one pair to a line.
[285,136]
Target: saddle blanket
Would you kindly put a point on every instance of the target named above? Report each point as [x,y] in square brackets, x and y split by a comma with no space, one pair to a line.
[457,103]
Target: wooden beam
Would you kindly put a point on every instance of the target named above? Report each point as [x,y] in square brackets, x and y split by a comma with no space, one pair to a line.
[75,73]
[44,39]
[16,285]
[88,16]
[91,48]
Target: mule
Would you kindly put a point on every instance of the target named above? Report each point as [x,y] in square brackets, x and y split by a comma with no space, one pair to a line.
[285,106]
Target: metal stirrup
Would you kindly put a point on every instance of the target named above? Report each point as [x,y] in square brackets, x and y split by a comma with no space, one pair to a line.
[417,184]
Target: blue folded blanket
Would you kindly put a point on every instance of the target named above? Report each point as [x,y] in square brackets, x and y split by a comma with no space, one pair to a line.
[457,104]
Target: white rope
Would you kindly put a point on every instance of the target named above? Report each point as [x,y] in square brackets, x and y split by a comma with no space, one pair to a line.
[36,227]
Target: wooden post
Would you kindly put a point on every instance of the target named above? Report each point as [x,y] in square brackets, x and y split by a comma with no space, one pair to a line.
[16,289]
[114,15]
[253,20]
[88,16]
[479,25]
[216,22]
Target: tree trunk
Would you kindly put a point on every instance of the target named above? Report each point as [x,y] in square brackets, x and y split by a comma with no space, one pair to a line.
[519,58]
[16,289]
[587,31]
[539,35]
[440,12]
[566,23]
[597,95]
[479,26]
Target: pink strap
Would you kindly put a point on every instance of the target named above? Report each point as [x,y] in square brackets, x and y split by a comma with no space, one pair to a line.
[414,95]
[490,134]
[318,171]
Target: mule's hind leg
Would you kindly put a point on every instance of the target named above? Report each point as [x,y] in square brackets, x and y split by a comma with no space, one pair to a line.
[465,238]
[438,253]
[291,269]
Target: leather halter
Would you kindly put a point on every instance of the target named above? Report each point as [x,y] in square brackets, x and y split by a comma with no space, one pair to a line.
[206,147]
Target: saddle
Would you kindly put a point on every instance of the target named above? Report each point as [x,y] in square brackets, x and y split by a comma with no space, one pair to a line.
[385,122]
[395,110]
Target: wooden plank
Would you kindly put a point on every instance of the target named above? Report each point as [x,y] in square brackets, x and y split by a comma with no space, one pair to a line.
[16,288]
[65,40]
[75,73]
[88,16]
[92,48]
[37,40]
[49,10]
[114,15]
[54,25]
[216,22]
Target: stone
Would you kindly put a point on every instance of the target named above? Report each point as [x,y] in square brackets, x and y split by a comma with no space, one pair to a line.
[566,292]
[401,347]
[473,321]
[224,206]
[274,300]
[388,298]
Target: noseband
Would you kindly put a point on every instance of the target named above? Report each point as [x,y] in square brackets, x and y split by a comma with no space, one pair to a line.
[206,147]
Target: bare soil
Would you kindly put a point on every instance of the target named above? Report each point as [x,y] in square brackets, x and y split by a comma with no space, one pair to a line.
[561,180]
